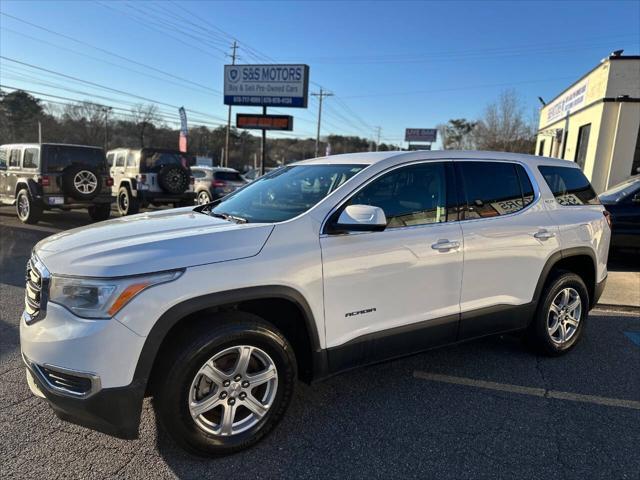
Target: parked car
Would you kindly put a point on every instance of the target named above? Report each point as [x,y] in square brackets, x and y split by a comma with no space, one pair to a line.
[150,176]
[212,183]
[316,268]
[623,203]
[36,177]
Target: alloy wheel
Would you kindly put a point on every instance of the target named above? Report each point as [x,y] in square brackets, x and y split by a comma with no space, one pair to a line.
[203,198]
[564,316]
[23,207]
[233,390]
[85,182]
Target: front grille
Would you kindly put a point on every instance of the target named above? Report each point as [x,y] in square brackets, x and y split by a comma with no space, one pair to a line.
[36,289]
[66,381]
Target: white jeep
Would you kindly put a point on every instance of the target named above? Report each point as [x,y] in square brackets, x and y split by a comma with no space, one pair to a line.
[318,267]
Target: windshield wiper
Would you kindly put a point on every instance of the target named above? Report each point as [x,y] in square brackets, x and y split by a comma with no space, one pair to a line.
[229,217]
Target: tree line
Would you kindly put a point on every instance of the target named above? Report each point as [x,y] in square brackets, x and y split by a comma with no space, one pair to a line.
[502,127]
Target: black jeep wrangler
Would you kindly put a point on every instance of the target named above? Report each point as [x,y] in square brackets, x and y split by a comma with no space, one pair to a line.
[35,177]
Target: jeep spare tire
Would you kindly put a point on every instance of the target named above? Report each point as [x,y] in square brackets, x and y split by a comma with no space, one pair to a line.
[173,178]
[81,182]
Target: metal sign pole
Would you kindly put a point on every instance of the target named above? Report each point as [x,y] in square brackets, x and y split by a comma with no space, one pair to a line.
[263,146]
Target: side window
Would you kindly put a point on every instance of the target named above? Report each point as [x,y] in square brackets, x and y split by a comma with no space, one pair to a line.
[569,186]
[198,173]
[131,160]
[4,154]
[14,158]
[413,195]
[491,188]
[120,160]
[110,158]
[30,158]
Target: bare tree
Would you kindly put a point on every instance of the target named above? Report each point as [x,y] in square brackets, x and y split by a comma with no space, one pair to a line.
[144,116]
[503,126]
[457,134]
[87,120]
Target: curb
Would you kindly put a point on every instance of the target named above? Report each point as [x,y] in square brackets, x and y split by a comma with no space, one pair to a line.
[619,308]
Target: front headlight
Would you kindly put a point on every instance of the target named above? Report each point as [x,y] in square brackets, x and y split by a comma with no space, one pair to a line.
[102,297]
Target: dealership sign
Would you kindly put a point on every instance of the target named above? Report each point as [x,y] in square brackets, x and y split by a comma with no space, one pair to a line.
[573,99]
[266,85]
[420,135]
[264,122]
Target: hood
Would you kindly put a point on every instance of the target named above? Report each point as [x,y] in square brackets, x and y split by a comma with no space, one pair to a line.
[150,242]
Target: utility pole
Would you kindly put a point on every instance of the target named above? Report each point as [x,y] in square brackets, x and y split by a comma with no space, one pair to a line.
[234,47]
[378,130]
[106,111]
[39,131]
[320,96]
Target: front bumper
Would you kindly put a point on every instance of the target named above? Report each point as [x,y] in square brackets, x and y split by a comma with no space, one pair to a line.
[114,411]
[73,349]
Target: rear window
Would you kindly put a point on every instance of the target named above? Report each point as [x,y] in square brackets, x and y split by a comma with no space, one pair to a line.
[494,188]
[228,176]
[153,161]
[57,158]
[569,186]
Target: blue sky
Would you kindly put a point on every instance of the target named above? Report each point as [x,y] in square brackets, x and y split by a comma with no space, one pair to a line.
[390,64]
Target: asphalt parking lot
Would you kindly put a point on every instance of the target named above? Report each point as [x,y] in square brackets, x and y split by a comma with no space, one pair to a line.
[457,412]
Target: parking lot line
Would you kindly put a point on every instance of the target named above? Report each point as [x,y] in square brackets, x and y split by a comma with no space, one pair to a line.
[536,392]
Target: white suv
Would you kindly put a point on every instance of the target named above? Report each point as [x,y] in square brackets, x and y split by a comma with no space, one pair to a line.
[318,267]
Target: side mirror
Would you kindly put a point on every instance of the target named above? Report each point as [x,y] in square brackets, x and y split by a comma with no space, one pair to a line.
[636,198]
[361,218]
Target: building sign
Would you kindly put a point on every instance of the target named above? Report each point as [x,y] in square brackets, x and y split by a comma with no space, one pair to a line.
[419,147]
[573,99]
[266,85]
[420,135]
[264,122]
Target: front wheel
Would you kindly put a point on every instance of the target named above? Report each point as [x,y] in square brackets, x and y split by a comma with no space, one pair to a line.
[561,315]
[226,385]
[27,209]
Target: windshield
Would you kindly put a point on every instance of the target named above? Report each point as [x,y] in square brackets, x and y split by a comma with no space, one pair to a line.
[59,157]
[621,190]
[285,193]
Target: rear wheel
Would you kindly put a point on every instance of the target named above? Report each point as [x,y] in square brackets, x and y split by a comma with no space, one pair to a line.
[561,315]
[27,209]
[127,203]
[226,385]
[203,198]
[100,212]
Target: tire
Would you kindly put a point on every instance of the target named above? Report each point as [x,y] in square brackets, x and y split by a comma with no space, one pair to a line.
[28,210]
[173,179]
[181,382]
[546,334]
[203,197]
[127,204]
[100,212]
[81,182]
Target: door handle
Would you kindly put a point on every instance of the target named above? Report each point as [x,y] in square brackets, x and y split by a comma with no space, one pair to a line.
[544,235]
[445,245]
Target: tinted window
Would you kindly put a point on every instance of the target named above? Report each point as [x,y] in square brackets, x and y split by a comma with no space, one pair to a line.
[120,160]
[14,158]
[286,193]
[131,160]
[198,173]
[153,161]
[110,158]
[228,176]
[414,195]
[58,157]
[491,189]
[569,185]
[30,158]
